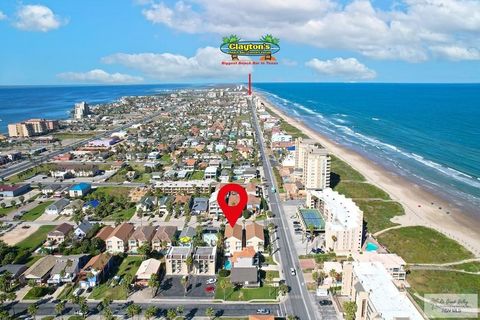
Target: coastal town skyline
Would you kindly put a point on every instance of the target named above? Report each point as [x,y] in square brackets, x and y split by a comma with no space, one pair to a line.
[178,42]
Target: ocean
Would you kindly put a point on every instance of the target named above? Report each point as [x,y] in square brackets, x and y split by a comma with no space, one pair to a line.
[428,133]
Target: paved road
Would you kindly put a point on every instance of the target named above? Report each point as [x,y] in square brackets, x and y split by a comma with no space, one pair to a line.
[192,308]
[300,302]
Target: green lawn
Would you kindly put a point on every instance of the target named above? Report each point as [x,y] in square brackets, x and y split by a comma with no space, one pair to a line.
[244,294]
[5,211]
[38,292]
[124,215]
[30,173]
[197,175]
[291,130]
[469,266]
[112,191]
[344,171]
[66,292]
[167,158]
[269,260]
[279,179]
[72,135]
[377,213]
[274,273]
[130,266]
[429,281]
[35,239]
[36,212]
[355,189]
[423,245]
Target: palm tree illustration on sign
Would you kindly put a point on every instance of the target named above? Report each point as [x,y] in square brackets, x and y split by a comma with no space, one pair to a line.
[269,39]
[231,39]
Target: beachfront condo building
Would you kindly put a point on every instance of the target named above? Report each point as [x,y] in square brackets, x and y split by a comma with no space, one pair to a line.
[81,110]
[314,162]
[32,127]
[343,220]
[371,287]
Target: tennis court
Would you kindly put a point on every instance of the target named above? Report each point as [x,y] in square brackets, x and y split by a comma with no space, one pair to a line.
[312,217]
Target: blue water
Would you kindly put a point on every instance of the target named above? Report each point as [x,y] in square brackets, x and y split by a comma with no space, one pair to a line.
[371,246]
[227,265]
[429,133]
[21,103]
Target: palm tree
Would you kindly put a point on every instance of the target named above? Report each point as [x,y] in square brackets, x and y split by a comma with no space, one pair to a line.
[107,313]
[283,289]
[171,314]
[32,310]
[153,283]
[133,310]
[269,278]
[209,312]
[269,39]
[60,308]
[180,310]
[231,39]
[151,312]
[223,285]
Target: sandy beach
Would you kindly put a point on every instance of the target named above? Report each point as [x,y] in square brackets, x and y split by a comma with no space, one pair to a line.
[417,202]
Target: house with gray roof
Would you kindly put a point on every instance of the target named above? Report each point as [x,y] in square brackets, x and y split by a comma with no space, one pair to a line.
[57,207]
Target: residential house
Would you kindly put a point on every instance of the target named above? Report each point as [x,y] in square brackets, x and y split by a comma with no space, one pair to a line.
[74,170]
[40,270]
[176,261]
[147,204]
[233,239]
[57,207]
[164,237]
[50,189]
[199,206]
[210,172]
[147,269]
[59,234]
[141,235]
[255,237]
[16,271]
[117,241]
[72,207]
[186,236]
[67,268]
[95,271]
[79,190]
[187,187]
[204,261]
[244,268]
[82,230]
[104,233]
[163,205]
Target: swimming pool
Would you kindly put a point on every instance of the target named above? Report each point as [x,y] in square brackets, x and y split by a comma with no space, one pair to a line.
[371,246]
[227,265]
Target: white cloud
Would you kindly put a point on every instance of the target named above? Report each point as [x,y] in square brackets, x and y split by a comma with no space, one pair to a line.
[457,53]
[2,16]
[37,18]
[350,68]
[288,62]
[206,63]
[406,32]
[99,76]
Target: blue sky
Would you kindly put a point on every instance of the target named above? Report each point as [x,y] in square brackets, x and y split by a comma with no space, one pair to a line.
[151,41]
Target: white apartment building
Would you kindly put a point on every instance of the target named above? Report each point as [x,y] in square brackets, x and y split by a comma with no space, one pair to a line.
[370,286]
[343,220]
[81,110]
[314,162]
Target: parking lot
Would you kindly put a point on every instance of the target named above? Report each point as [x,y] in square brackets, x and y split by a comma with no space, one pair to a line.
[326,310]
[172,286]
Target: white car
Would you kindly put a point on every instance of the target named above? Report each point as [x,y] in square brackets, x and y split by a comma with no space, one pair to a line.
[293,272]
[211,281]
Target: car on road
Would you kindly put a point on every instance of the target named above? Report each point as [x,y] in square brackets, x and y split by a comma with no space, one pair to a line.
[210,289]
[293,272]
[263,311]
[211,281]
[325,302]
[77,292]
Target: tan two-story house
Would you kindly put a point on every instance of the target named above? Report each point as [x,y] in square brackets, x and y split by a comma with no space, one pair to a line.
[117,241]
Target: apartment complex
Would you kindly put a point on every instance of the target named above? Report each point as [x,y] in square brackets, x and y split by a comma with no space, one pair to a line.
[237,238]
[204,259]
[81,110]
[314,163]
[370,286]
[187,187]
[32,127]
[343,220]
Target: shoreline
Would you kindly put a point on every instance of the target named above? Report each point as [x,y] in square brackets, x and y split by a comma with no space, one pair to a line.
[416,201]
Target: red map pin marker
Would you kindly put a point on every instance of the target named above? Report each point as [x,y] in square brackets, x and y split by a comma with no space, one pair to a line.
[232,213]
